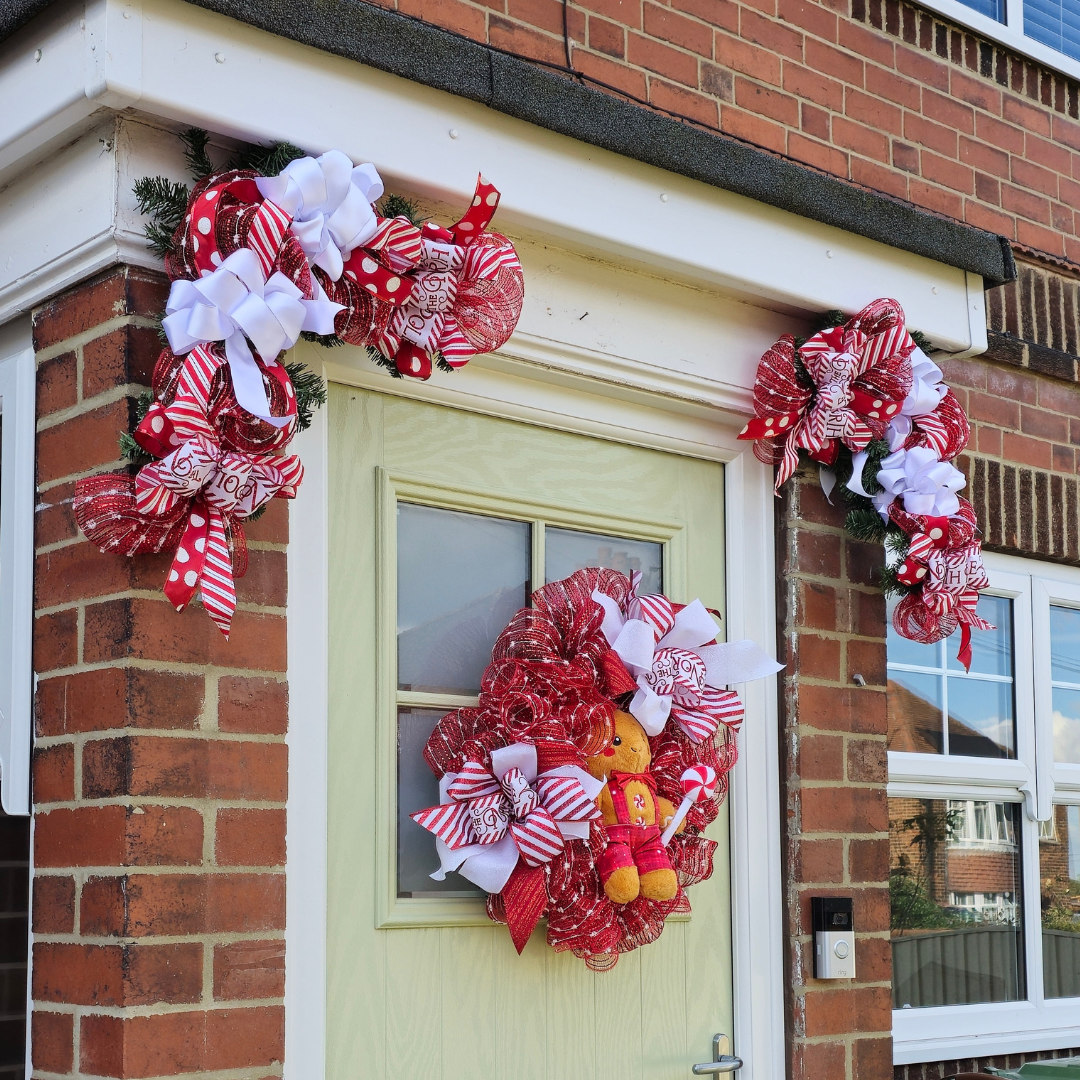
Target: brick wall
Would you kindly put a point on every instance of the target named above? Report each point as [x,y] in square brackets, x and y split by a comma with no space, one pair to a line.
[160,768]
[832,627]
[875,91]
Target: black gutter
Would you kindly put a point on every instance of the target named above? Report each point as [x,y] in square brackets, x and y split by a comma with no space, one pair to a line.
[438,58]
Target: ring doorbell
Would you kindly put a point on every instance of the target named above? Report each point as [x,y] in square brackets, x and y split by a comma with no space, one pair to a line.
[834,937]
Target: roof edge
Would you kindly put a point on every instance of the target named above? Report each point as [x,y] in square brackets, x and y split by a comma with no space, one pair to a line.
[444,60]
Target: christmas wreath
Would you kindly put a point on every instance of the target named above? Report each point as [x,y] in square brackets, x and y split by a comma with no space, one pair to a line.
[274,247]
[581,784]
[862,398]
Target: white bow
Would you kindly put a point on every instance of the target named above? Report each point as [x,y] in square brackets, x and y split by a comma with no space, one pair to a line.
[233,301]
[926,486]
[927,391]
[329,201]
[490,865]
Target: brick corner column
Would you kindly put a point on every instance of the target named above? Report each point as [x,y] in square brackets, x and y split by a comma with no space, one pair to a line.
[160,764]
[834,770]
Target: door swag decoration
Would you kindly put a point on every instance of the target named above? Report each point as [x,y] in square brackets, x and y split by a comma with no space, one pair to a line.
[863,399]
[275,247]
[600,713]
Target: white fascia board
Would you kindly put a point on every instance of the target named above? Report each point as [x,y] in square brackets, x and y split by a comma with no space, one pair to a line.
[192,66]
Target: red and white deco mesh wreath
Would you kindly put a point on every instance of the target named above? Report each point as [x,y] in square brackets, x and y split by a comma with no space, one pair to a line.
[256,261]
[518,814]
[865,401]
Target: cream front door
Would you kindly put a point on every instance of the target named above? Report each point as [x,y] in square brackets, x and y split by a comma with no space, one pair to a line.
[441,523]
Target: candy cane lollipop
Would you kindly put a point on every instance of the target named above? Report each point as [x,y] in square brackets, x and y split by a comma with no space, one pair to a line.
[698,782]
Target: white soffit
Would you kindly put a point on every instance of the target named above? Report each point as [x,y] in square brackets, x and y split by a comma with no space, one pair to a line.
[185,64]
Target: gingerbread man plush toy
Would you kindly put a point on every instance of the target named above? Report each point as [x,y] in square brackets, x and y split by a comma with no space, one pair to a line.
[635,861]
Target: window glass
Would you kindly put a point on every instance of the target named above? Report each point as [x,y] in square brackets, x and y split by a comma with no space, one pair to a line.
[936,707]
[1055,23]
[566,551]
[1065,679]
[460,579]
[1059,875]
[418,789]
[954,890]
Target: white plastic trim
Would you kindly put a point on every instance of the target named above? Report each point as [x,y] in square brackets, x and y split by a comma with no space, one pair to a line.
[17,379]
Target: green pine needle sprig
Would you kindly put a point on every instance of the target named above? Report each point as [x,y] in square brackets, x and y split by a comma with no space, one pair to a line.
[398,206]
[327,341]
[442,364]
[383,361]
[198,160]
[310,393]
[129,448]
[265,160]
[921,340]
[864,523]
[165,202]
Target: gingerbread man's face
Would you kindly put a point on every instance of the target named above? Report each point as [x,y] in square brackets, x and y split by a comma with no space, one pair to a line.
[629,750]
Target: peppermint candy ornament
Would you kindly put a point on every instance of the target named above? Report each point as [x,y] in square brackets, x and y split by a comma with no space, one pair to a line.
[698,782]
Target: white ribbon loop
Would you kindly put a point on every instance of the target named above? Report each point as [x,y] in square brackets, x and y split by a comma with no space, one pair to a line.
[329,201]
[925,485]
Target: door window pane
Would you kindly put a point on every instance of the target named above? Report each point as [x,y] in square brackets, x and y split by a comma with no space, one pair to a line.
[566,551]
[1059,874]
[418,789]
[954,891]
[460,579]
[1065,679]
[927,684]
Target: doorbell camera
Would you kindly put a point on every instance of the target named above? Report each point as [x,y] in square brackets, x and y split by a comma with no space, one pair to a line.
[834,937]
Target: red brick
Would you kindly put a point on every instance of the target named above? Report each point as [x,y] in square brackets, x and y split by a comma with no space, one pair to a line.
[821,757]
[56,642]
[867,658]
[818,657]
[815,1061]
[864,42]
[54,773]
[989,441]
[607,37]
[816,553]
[866,761]
[116,975]
[670,26]
[999,134]
[1026,115]
[1043,424]
[1064,459]
[1025,451]
[978,92]
[771,35]
[1054,157]
[1006,383]
[981,156]
[834,62]
[871,1058]
[810,85]
[57,384]
[816,154]
[1035,177]
[626,12]
[927,133]
[1059,397]
[54,905]
[869,860]
[749,59]
[247,837]
[52,1037]
[844,810]
[83,443]
[598,67]
[143,905]
[273,526]
[857,709]
[880,178]
[682,102]
[79,571]
[820,861]
[940,170]
[1065,131]
[816,605]
[753,129]
[119,836]
[835,1012]
[110,698]
[816,123]
[524,41]
[770,103]
[126,355]
[922,68]
[248,970]
[809,16]
[543,14]
[98,300]
[718,81]
[1040,238]
[860,139]
[664,60]
[873,111]
[257,706]
[892,87]
[935,198]
[240,1038]
[720,13]
[153,630]
[451,14]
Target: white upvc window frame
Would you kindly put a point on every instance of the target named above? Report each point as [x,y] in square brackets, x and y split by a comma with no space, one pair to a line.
[17,424]
[1031,780]
[1010,33]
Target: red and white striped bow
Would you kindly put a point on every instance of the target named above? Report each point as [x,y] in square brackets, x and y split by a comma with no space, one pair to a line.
[491,817]
[680,670]
[861,373]
[219,484]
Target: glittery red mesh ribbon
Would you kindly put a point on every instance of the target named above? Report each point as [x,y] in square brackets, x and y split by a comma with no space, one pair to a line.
[553,681]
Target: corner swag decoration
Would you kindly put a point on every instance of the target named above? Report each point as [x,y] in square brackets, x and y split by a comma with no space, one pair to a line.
[256,262]
[580,785]
[867,403]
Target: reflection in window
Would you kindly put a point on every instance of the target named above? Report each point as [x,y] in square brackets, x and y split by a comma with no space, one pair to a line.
[460,579]
[935,707]
[1065,679]
[1055,23]
[1059,876]
[566,551]
[954,891]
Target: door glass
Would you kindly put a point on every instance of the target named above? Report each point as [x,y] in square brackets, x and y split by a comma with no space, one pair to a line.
[936,707]
[1065,677]
[1059,874]
[954,891]
[460,578]
[418,789]
[566,551]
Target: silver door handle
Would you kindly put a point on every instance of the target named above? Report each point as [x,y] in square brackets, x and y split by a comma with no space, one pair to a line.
[721,1062]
